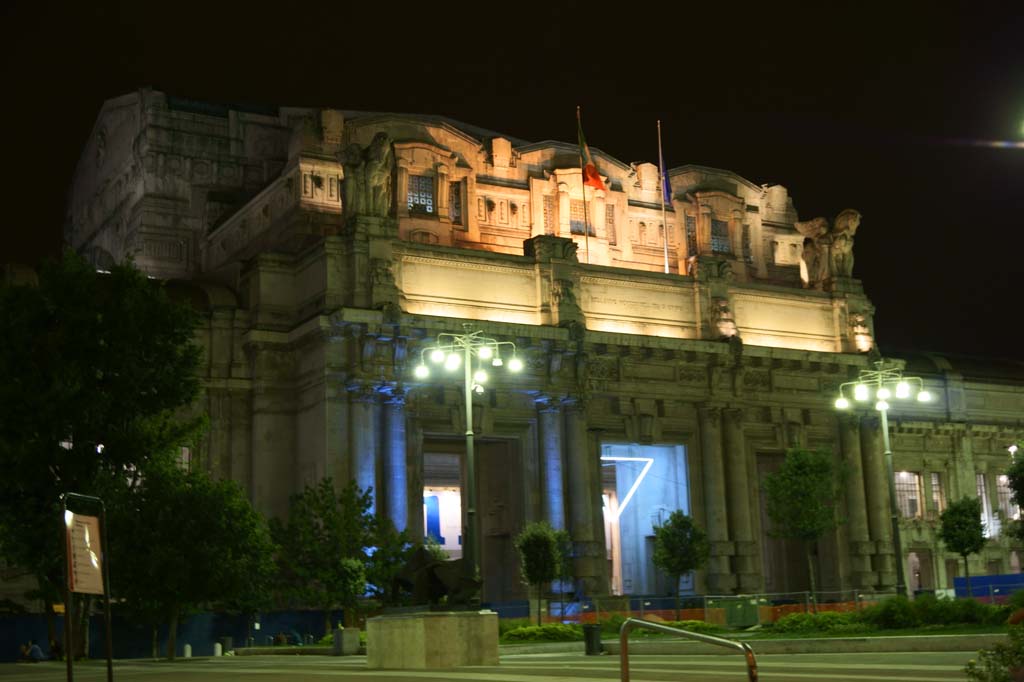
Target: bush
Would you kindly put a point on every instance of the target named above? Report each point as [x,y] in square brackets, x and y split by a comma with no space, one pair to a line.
[996,664]
[508,624]
[697,626]
[612,624]
[892,614]
[551,632]
[824,621]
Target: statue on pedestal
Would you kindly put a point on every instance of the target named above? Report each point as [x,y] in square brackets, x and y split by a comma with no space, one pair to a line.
[366,189]
[827,252]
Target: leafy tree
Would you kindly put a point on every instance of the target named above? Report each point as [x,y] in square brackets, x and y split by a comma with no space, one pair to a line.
[679,547]
[539,558]
[391,550]
[801,500]
[962,530]
[182,541]
[566,569]
[88,359]
[324,526]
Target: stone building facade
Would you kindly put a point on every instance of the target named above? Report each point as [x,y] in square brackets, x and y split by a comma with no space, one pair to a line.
[328,248]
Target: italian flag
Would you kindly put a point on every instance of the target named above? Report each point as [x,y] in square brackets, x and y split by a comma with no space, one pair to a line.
[590,174]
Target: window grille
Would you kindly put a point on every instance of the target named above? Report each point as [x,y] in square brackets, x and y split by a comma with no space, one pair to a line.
[938,495]
[908,494]
[691,235]
[720,237]
[549,214]
[609,222]
[421,194]
[578,218]
[455,202]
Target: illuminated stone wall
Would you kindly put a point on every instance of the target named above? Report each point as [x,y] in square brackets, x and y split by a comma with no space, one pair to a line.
[315,315]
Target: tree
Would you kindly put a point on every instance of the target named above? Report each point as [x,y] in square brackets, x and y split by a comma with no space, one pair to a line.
[801,500]
[182,541]
[538,556]
[324,526]
[679,547]
[962,530]
[88,360]
[566,569]
[391,551]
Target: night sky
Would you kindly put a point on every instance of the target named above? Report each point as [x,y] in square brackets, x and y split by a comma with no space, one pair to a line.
[878,107]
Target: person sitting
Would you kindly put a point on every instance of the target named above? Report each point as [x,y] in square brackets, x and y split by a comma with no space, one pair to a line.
[35,654]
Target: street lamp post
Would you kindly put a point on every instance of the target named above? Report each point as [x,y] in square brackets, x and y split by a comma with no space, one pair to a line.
[886,382]
[451,351]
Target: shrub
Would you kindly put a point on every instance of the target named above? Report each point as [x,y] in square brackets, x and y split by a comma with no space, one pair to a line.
[508,624]
[551,632]
[697,626]
[612,624]
[892,614]
[932,610]
[824,621]
[998,663]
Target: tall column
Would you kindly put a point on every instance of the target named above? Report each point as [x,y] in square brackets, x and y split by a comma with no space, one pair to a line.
[583,469]
[720,579]
[364,408]
[552,467]
[395,485]
[745,562]
[877,494]
[861,548]
[414,477]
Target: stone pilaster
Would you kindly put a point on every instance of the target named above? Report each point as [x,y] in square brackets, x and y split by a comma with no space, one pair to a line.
[877,495]
[746,562]
[583,474]
[861,548]
[552,468]
[364,421]
[395,485]
[720,579]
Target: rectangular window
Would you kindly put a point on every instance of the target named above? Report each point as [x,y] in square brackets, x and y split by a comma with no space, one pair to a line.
[421,194]
[576,216]
[1007,509]
[908,494]
[609,222]
[720,237]
[938,495]
[691,235]
[455,202]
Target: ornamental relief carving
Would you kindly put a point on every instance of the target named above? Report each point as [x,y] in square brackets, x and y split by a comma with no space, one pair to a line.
[758,381]
[693,375]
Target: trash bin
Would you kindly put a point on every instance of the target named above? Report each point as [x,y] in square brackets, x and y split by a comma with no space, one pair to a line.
[592,639]
[227,644]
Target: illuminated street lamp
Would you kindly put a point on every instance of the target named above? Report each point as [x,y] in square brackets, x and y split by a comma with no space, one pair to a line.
[885,383]
[474,352]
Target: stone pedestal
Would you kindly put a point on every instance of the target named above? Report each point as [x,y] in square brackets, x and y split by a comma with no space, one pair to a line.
[432,640]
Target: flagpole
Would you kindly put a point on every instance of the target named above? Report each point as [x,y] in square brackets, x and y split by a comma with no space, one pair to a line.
[583,186]
[661,190]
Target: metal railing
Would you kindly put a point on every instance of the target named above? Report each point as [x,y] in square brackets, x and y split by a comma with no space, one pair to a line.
[631,623]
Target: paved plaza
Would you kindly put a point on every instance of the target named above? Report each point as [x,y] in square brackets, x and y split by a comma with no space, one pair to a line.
[554,667]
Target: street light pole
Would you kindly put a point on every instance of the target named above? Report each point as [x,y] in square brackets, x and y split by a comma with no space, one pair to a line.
[894,510]
[886,381]
[451,350]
